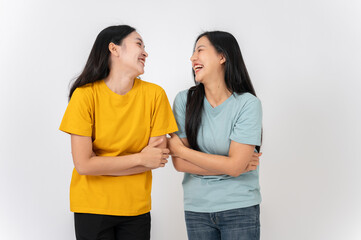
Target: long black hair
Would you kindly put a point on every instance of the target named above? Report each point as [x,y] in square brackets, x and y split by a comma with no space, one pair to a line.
[236,78]
[98,65]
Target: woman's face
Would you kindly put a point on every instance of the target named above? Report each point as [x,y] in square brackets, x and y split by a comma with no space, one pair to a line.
[206,61]
[132,54]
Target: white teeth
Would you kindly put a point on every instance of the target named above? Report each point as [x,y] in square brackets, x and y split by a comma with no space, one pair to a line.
[197,67]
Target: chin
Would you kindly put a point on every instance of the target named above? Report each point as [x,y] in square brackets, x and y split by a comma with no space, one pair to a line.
[198,79]
[140,71]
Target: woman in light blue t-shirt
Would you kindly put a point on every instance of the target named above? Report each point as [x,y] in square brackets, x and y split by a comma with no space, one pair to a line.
[220,128]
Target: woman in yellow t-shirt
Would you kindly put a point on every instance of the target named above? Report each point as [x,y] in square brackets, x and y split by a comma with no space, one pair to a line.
[117,124]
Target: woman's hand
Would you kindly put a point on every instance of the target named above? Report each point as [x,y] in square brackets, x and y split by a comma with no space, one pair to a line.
[175,145]
[252,165]
[153,157]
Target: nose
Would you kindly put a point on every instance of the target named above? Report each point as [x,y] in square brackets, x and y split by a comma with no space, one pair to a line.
[145,54]
[193,57]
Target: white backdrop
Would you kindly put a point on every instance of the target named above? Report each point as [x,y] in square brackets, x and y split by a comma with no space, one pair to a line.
[304,58]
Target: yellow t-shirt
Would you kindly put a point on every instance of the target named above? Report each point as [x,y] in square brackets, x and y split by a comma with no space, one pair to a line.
[119,125]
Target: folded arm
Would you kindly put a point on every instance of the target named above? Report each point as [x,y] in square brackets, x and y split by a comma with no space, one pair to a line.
[241,159]
[87,163]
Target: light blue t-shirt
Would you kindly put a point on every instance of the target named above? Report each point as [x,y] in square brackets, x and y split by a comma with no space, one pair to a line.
[239,119]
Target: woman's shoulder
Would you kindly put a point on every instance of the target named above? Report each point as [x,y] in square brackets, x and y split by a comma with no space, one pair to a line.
[181,97]
[183,93]
[246,98]
[148,86]
[247,102]
[86,90]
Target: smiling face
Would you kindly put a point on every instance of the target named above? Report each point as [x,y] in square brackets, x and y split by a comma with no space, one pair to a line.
[207,63]
[130,55]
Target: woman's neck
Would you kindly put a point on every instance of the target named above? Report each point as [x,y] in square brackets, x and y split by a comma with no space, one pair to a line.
[119,82]
[216,92]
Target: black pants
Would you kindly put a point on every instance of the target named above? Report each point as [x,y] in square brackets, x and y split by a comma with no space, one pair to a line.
[107,227]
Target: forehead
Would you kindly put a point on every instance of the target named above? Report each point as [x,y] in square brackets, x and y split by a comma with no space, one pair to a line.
[203,41]
[134,36]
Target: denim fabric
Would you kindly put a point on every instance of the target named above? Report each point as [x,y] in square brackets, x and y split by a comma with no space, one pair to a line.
[235,224]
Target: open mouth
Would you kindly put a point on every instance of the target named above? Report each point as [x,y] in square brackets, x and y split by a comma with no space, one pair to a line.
[197,68]
[142,61]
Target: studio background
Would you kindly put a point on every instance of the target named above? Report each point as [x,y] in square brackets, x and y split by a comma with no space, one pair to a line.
[303,57]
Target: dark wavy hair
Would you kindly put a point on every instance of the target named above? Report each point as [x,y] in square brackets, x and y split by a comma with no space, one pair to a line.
[98,65]
[236,78]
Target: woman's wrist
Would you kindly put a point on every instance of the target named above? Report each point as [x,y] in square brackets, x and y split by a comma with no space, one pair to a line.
[139,159]
[182,151]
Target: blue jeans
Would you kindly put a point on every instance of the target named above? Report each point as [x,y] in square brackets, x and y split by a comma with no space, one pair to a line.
[235,224]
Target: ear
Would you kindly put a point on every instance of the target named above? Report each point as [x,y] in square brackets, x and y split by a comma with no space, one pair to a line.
[113,49]
[222,59]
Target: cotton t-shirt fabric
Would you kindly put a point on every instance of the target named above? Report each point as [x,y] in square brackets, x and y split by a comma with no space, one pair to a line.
[239,119]
[118,125]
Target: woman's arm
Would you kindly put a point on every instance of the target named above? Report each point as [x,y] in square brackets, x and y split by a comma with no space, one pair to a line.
[239,160]
[182,165]
[161,145]
[86,163]
[141,169]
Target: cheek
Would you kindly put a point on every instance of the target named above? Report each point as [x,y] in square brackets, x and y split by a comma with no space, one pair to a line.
[213,64]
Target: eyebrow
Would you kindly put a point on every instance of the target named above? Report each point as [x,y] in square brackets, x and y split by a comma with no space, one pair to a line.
[200,46]
[139,39]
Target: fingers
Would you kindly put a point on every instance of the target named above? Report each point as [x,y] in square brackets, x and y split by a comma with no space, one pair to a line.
[156,143]
[163,162]
[158,156]
[254,162]
[257,154]
[165,151]
[252,168]
[173,135]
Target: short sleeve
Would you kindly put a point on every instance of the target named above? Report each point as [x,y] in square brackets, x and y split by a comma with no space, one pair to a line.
[163,121]
[179,109]
[78,117]
[248,126]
